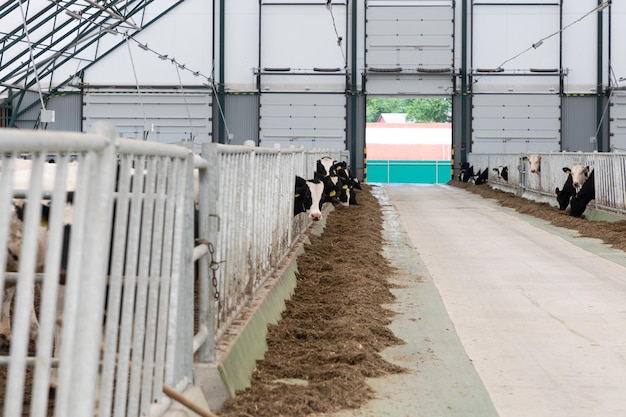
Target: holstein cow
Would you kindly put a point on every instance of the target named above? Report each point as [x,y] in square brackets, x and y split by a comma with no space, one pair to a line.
[482,177]
[579,175]
[564,195]
[502,172]
[467,172]
[328,167]
[535,163]
[320,190]
[349,183]
[581,198]
[302,200]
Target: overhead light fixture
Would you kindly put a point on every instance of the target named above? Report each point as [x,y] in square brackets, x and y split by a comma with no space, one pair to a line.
[538,44]
[73,15]
[94,4]
[181,66]
[604,5]
[142,46]
[133,25]
[114,14]
[196,73]
[163,57]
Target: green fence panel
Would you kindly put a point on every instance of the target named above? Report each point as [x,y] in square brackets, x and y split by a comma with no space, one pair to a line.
[409,172]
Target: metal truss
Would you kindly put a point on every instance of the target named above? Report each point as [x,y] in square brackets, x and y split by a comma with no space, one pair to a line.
[46,45]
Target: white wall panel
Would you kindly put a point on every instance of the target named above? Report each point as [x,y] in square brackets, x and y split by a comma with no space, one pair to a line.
[580,45]
[184,34]
[503,36]
[302,37]
[168,116]
[412,38]
[515,123]
[308,120]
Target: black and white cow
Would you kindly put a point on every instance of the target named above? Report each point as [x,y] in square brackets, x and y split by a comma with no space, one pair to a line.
[467,172]
[579,175]
[583,196]
[482,177]
[302,199]
[314,193]
[564,195]
[502,173]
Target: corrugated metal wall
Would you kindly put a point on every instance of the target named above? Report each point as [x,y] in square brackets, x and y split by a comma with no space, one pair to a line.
[578,119]
[67,112]
[357,156]
[242,117]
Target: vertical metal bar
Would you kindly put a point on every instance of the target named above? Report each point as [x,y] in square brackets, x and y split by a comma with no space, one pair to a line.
[114,299]
[92,279]
[208,193]
[49,291]
[24,297]
[166,267]
[130,281]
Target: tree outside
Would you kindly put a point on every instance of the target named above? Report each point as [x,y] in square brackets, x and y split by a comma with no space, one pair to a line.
[418,110]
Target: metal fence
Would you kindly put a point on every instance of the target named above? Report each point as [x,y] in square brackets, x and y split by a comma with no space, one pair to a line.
[609,169]
[132,325]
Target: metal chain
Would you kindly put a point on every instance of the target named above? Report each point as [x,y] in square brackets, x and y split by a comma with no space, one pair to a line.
[214,265]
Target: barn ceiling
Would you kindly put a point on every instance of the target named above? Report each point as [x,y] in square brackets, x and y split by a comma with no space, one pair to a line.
[46,44]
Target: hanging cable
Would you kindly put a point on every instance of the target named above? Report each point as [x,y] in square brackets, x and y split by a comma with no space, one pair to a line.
[145,121]
[32,58]
[329,7]
[537,44]
[180,82]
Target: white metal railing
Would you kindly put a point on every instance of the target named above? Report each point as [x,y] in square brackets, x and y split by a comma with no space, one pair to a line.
[124,285]
[246,214]
[143,251]
[609,169]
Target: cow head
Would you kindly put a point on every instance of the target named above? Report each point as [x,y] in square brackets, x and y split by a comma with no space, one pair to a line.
[535,163]
[324,166]
[579,175]
[502,172]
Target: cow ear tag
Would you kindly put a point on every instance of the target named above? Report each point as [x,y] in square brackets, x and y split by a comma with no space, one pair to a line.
[297,195]
[345,186]
[333,193]
[339,168]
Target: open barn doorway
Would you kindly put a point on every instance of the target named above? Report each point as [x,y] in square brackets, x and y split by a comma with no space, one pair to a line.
[408,140]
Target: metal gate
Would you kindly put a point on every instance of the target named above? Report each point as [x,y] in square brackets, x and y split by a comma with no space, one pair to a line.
[409,47]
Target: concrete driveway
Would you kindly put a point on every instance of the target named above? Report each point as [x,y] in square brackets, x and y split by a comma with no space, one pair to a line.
[503,314]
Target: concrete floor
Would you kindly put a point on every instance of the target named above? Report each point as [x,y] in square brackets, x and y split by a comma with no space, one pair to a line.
[502,314]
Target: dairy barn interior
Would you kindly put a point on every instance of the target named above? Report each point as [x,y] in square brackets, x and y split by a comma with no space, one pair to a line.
[184,88]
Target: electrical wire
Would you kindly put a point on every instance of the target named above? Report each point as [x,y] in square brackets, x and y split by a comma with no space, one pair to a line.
[180,82]
[537,44]
[329,7]
[32,58]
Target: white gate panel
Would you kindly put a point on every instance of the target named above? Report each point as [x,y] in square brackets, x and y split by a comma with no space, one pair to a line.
[516,123]
[618,121]
[167,116]
[307,120]
[409,47]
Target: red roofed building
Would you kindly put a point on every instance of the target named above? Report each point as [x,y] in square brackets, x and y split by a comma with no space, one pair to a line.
[408,141]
